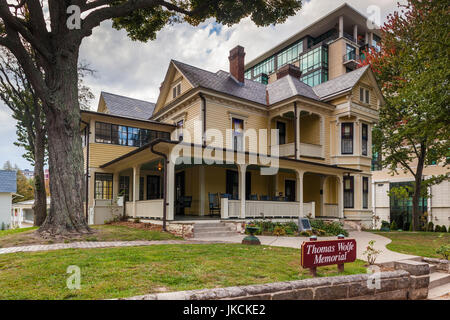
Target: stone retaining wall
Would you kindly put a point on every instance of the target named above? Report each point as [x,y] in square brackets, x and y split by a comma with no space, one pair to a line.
[441,264]
[392,285]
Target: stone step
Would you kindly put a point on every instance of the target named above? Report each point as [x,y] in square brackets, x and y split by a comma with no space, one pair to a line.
[214,234]
[437,292]
[210,229]
[433,268]
[438,279]
[208,225]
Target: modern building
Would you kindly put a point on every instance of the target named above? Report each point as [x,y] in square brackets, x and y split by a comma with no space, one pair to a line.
[163,157]
[436,206]
[325,50]
[8,187]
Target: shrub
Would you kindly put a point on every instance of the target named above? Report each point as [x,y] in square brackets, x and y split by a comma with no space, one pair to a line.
[319,232]
[437,228]
[279,231]
[406,226]
[371,252]
[385,226]
[137,220]
[306,233]
[444,251]
[394,226]
[443,229]
[330,228]
[430,226]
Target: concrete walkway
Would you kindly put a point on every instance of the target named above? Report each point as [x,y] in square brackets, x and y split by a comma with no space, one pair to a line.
[98,244]
[362,241]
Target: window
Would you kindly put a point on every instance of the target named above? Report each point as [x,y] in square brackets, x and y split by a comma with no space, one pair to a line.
[290,54]
[347,138]
[176,90]
[281,126]
[364,95]
[350,53]
[153,187]
[232,184]
[315,78]
[141,188]
[314,59]
[262,78]
[102,132]
[376,160]
[267,67]
[365,190]
[103,186]
[365,138]
[124,187]
[126,136]
[238,134]
[180,125]
[348,192]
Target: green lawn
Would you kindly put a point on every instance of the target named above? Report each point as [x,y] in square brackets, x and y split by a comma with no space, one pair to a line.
[29,236]
[422,244]
[123,272]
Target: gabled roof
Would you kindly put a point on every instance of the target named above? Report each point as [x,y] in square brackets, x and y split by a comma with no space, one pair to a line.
[8,181]
[340,84]
[223,82]
[287,87]
[128,107]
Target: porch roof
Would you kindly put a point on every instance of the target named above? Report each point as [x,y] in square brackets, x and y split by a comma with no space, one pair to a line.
[168,143]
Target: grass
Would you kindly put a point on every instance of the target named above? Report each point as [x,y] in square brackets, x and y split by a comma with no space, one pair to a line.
[129,271]
[29,236]
[422,244]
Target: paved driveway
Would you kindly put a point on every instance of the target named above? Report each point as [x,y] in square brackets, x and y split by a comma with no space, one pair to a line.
[362,240]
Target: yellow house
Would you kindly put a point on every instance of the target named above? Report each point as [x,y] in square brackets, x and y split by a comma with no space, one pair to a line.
[216,144]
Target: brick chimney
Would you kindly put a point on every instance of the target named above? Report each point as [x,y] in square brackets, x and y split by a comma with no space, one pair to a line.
[236,59]
[289,69]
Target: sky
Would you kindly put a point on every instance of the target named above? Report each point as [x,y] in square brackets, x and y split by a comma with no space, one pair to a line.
[136,69]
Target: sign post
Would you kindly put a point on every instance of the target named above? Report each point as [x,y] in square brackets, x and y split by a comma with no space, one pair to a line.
[323,253]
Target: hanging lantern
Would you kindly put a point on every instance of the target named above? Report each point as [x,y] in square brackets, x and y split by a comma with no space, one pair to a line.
[159,166]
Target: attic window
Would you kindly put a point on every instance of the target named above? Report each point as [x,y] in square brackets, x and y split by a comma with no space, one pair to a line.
[364,95]
[176,90]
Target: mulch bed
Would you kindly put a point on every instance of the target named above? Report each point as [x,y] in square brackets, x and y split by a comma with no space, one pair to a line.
[136,225]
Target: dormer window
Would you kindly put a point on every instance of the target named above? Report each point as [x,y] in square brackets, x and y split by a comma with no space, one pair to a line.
[364,95]
[176,90]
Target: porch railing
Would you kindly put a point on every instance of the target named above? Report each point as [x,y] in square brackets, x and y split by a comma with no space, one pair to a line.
[331,210]
[287,150]
[311,150]
[145,208]
[265,209]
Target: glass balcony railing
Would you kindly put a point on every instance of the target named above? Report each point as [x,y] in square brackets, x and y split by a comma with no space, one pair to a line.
[351,56]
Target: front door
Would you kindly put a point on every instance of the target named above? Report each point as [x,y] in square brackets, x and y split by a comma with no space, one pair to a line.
[179,192]
[289,190]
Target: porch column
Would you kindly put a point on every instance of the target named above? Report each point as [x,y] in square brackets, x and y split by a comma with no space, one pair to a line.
[355,33]
[170,167]
[115,185]
[297,133]
[299,191]
[322,195]
[242,169]
[340,179]
[136,174]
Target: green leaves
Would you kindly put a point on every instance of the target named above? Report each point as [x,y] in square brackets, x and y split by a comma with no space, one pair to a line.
[143,24]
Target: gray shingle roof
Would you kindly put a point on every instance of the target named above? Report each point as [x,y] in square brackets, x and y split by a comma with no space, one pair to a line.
[339,84]
[128,107]
[8,181]
[223,82]
[287,87]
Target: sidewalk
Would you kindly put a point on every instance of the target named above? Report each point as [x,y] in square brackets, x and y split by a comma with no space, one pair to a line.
[362,241]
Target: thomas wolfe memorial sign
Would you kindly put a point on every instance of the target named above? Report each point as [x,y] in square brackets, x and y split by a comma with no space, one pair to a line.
[324,253]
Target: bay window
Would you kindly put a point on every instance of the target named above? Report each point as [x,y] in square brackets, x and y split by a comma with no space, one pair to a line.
[365,138]
[347,138]
[348,192]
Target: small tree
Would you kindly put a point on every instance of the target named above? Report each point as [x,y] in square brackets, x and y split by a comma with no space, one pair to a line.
[412,68]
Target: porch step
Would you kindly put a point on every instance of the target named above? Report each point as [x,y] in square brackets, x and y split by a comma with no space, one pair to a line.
[212,229]
[438,279]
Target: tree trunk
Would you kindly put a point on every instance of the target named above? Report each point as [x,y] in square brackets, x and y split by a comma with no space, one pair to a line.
[66,213]
[40,196]
[416,195]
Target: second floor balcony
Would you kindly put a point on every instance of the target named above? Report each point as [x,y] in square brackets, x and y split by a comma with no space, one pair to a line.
[310,135]
[351,60]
